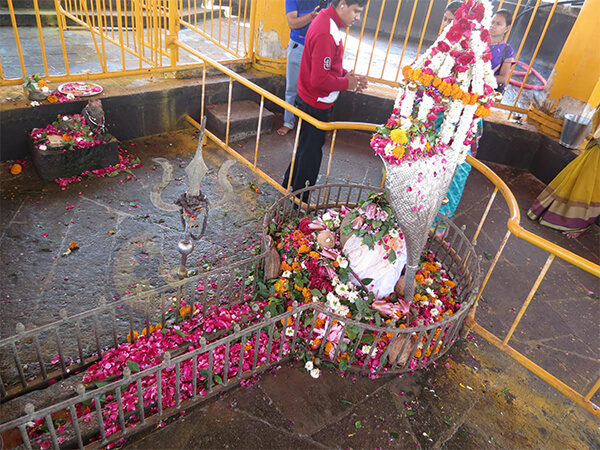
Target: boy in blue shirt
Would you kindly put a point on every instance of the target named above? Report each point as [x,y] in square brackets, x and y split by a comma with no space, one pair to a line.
[300,14]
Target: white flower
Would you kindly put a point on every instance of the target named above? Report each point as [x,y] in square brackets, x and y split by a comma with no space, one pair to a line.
[43,147]
[352,296]
[428,281]
[326,217]
[286,274]
[341,290]
[434,312]
[315,373]
[309,365]
[65,118]
[342,310]
[45,89]
[70,96]
[393,233]
[251,278]
[430,292]
[289,332]
[315,298]
[34,104]
[366,349]
[343,262]
[438,303]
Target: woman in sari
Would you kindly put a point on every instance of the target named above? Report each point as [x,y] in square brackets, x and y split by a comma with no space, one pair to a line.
[571,202]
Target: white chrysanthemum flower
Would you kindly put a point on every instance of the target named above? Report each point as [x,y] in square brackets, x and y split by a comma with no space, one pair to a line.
[393,233]
[343,262]
[428,281]
[366,349]
[342,310]
[70,96]
[438,303]
[309,365]
[326,217]
[434,312]
[286,274]
[341,290]
[43,147]
[315,373]
[430,292]
[352,296]
[315,299]
[289,332]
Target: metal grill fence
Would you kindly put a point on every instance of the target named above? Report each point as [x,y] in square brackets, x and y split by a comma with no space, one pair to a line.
[221,360]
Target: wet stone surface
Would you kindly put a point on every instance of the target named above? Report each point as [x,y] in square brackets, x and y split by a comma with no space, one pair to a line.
[476,397]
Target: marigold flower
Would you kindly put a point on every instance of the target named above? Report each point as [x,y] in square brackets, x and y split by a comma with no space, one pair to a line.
[328,347]
[398,152]
[16,169]
[314,255]
[42,83]
[135,336]
[73,245]
[436,81]
[52,99]
[420,279]
[399,136]
[281,286]
[285,266]
[303,249]
[67,137]
[449,283]
[296,267]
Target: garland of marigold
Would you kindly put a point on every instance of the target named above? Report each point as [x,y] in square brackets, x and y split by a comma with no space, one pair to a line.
[449,90]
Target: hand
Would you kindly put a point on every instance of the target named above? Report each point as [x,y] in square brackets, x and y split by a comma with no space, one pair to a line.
[352,81]
[362,83]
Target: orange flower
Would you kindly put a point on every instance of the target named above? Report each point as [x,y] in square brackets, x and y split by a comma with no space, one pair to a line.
[320,323]
[296,267]
[466,98]
[436,82]
[303,249]
[316,343]
[449,283]
[73,245]
[420,279]
[307,294]
[328,347]
[16,169]
[42,83]
[67,137]
[52,99]
[314,255]
[398,152]
[285,266]
[135,336]
[418,353]
[407,71]
[473,99]
[185,310]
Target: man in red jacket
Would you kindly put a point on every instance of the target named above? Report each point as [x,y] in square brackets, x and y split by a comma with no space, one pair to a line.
[321,79]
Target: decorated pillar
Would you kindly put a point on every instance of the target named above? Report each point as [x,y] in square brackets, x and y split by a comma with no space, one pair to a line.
[271,36]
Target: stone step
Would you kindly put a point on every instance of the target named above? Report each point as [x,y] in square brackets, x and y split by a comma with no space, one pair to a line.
[243,121]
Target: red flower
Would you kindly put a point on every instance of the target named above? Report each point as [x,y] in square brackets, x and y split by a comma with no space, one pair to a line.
[459,68]
[303,225]
[443,46]
[454,34]
[466,58]
[477,13]
[463,24]
[464,44]
[455,53]
[487,55]
[485,36]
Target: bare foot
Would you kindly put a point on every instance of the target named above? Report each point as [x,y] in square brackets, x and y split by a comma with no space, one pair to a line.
[283,130]
[572,234]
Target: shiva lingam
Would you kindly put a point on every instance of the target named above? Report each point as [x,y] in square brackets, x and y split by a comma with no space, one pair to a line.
[193,203]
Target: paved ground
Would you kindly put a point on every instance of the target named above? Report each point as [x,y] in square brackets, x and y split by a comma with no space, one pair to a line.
[475,398]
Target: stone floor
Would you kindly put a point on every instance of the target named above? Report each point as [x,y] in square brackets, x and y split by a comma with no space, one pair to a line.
[476,397]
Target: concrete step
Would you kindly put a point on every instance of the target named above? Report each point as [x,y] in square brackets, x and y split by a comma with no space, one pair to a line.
[243,123]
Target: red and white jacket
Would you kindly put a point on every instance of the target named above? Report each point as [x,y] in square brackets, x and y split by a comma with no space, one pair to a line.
[321,73]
